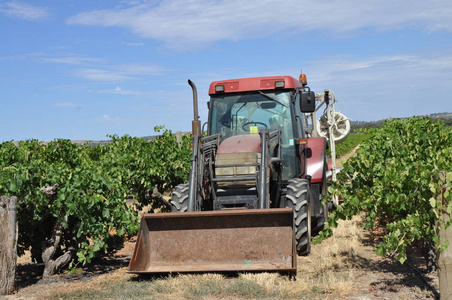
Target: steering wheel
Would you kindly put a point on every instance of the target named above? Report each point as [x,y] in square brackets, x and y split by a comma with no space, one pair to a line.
[255,124]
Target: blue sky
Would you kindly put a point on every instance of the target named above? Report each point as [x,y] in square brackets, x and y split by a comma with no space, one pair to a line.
[83,70]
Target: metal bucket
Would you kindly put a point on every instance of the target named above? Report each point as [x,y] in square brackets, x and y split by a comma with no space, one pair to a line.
[256,240]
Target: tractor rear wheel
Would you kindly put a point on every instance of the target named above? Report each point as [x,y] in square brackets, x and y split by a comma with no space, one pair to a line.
[318,223]
[298,198]
[179,201]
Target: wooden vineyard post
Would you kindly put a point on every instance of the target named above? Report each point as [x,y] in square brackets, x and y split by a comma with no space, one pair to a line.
[445,262]
[445,235]
[179,138]
[8,244]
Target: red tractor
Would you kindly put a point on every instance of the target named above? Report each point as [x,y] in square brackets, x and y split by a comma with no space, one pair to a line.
[254,197]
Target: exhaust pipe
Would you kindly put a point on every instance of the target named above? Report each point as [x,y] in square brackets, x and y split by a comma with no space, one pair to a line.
[196,137]
[195,124]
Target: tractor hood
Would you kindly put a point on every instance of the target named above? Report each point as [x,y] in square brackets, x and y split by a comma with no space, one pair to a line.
[241,143]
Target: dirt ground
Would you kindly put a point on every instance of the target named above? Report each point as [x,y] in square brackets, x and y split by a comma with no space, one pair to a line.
[347,261]
[372,276]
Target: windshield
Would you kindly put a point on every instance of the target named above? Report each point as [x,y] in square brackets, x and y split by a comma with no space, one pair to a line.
[249,113]
[234,114]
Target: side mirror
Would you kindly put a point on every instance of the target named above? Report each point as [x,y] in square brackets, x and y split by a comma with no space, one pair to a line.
[307,103]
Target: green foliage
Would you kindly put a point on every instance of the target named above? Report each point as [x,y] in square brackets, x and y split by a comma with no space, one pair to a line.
[400,178]
[143,166]
[92,185]
[351,142]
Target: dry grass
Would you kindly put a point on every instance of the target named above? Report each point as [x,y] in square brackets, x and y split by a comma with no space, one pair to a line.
[342,267]
[329,272]
[329,269]
[342,250]
[325,274]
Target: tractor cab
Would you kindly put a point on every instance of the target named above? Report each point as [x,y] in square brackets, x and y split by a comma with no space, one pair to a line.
[236,109]
[248,113]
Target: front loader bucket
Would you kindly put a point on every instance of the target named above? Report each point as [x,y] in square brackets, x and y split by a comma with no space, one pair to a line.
[216,241]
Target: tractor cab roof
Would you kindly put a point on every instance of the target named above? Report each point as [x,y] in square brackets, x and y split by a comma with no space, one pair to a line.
[253,84]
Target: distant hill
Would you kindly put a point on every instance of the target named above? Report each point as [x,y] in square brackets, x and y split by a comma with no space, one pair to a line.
[95,143]
[446,116]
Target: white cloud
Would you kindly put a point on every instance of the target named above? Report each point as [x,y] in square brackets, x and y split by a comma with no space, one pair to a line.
[69,59]
[385,86]
[32,56]
[67,104]
[106,119]
[72,60]
[119,73]
[140,69]
[133,44]
[97,69]
[432,67]
[23,11]
[101,75]
[195,23]
[119,91]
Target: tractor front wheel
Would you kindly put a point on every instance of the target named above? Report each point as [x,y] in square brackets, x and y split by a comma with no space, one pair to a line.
[298,198]
[179,201]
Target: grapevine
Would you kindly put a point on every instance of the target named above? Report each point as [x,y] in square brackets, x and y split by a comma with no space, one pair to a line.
[72,198]
[401,179]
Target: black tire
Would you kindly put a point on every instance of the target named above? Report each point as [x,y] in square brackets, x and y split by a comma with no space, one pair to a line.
[319,222]
[179,201]
[298,198]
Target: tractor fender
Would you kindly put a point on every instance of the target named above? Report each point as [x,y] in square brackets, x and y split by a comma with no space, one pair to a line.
[241,143]
[316,159]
